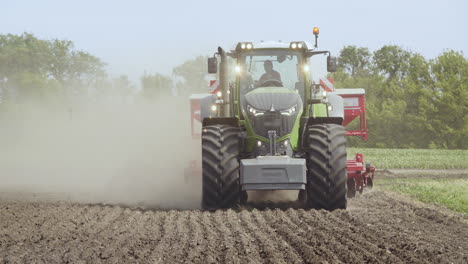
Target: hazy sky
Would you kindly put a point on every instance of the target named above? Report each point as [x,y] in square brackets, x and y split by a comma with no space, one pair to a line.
[137,36]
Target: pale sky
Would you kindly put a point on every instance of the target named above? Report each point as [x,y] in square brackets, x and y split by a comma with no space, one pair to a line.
[154,36]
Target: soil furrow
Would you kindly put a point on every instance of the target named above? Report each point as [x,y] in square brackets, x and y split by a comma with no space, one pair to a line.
[229,254]
[142,234]
[120,235]
[283,246]
[155,232]
[312,250]
[247,250]
[179,244]
[378,227]
[196,241]
[267,249]
[371,238]
[168,232]
[406,234]
[211,239]
[347,238]
[64,233]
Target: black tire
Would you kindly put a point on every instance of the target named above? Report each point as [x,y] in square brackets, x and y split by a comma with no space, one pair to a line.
[370,182]
[220,155]
[244,197]
[351,188]
[326,167]
[360,188]
[302,197]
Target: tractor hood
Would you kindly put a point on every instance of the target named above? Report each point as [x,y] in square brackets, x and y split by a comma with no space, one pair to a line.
[272,108]
[273,99]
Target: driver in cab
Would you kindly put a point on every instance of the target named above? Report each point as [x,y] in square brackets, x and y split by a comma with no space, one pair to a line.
[269,74]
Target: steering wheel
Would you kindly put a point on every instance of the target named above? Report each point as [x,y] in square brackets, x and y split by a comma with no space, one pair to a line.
[271,82]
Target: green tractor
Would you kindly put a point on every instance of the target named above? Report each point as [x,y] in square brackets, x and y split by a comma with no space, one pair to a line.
[271,128]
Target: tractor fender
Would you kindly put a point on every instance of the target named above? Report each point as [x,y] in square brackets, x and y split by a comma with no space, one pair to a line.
[337,105]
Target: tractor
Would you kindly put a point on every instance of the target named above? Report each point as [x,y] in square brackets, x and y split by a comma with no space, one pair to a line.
[267,126]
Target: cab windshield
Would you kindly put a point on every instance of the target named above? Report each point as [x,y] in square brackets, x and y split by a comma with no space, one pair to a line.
[271,68]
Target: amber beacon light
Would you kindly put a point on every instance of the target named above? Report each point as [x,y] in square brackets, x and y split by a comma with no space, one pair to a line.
[316,33]
[316,30]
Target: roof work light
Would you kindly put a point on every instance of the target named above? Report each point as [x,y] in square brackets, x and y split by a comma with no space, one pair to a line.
[245,46]
[298,45]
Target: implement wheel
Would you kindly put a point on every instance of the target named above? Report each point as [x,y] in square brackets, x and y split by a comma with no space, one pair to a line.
[370,182]
[326,167]
[220,155]
[360,184]
[351,188]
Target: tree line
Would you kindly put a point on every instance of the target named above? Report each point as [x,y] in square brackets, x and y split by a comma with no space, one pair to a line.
[412,101]
[32,68]
[55,72]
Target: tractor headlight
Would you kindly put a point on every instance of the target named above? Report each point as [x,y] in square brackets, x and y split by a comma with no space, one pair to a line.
[254,112]
[289,111]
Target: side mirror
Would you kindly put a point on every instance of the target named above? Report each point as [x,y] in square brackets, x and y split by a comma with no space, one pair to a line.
[281,58]
[331,64]
[212,65]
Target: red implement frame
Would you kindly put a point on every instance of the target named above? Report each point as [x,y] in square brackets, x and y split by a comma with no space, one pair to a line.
[359,174]
[355,105]
[195,117]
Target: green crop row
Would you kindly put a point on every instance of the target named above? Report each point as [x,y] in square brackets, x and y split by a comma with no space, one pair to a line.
[451,193]
[413,158]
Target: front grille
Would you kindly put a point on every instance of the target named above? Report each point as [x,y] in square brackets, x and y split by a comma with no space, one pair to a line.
[282,124]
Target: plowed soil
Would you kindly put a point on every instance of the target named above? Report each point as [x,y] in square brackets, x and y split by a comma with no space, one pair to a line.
[378,227]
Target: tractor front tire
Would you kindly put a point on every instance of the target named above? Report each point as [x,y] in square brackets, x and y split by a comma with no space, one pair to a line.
[220,155]
[326,167]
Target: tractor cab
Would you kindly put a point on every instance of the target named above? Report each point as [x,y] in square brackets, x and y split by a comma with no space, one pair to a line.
[269,64]
[270,89]
[273,66]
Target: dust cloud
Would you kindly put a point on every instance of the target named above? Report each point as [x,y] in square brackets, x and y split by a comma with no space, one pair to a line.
[135,154]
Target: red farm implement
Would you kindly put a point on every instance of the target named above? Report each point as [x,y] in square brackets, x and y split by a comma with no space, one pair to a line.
[360,174]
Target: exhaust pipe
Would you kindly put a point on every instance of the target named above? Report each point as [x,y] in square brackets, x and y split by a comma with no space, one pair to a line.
[224,83]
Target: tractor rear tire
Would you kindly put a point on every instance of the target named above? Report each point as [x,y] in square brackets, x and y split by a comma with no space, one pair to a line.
[220,155]
[326,167]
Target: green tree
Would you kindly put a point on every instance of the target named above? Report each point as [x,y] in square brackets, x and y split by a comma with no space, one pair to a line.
[190,76]
[354,61]
[155,85]
[36,68]
[450,120]
[391,61]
